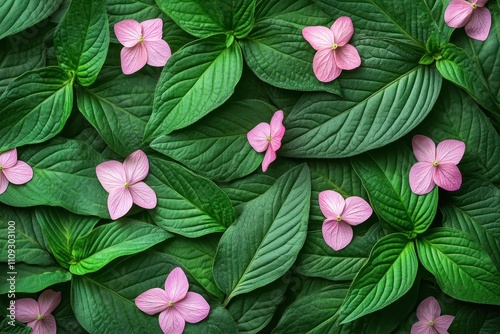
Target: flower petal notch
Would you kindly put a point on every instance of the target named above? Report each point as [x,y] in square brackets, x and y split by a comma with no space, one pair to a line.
[430,319]
[267,137]
[124,184]
[473,15]
[175,303]
[333,53]
[13,171]
[340,216]
[37,314]
[142,44]
[436,166]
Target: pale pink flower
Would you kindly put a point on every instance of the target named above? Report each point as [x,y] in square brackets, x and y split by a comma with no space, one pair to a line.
[38,314]
[333,53]
[340,216]
[142,43]
[123,183]
[267,137]
[12,170]
[436,165]
[174,303]
[473,15]
[430,319]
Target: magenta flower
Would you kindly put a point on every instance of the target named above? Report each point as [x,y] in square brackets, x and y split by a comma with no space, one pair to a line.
[267,137]
[473,15]
[12,170]
[436,165]
[142,43]
[123,183]
[430,320]
[38,314]
[340,216]
[174,303]
[333,53]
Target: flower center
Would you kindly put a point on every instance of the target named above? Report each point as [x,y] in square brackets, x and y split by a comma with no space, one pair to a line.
[334,46]
[127,185]
[431,323]
[39,317]
[435,163]
[339,218]
[141,39]
[170,303]
[473,5]
[269,139]
[1,167]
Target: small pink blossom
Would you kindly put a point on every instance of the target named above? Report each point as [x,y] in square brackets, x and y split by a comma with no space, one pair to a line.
[340,216]
[142,43]
[430,319]
[38,314]
[267,137]
[123,183]
[436,165]
[174,303]
[333,53]
[12,170]
[473,15]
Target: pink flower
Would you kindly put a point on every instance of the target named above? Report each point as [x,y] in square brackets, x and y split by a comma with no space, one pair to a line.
[430,319]
[472,15]
[436,166]
[334,54]
[142,43]
[176,304]
[12,170]
[123,183]
[267,137]
[340,216]
[38,314]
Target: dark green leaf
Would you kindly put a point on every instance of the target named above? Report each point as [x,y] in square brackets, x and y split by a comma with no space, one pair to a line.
[301,13]
[32,278]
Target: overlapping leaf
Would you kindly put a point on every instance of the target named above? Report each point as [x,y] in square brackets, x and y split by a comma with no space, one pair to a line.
[34,278]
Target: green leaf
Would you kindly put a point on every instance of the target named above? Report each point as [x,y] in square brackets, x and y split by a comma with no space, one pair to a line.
[198,78]
[385,175]
[462,268]
[267,236]
[18,328]
[18,15]
[301,13]
[35,107]
[188,204]
[30,278]
[217,146]
[476,319]
[386,277]
[81,39]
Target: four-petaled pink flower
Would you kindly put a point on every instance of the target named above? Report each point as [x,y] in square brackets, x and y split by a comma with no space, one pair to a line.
[123,183]
[12,170]
[473,15]
[142,43]
[267,137]
[38,314]
[333,53]
[436,165]
[174,303]
[340,216]
[430,320]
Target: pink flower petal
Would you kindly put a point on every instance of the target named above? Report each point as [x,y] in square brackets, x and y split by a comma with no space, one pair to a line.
[269,157]
[45,326]
[193,308]
[158,52]
[8,158]
[48,301]
[111,175]
[424,148]
[319,37]
[347,57]
[134,58]
[136,167]
[480,3]
[337,234]
[277,130]
[4,183]
[26,310]
[450,151]
[257,137]
[442,323]
[479,25]
[458,13]
[342,29]
[152,301]
[422,327]
[119,203]
[428,309]
[21,173]
[152,30]
[421,178]
[448,177]
[356,210]
[176,285]
[331,204]
[143,195]
[324,66]
[128,32]
[171,321]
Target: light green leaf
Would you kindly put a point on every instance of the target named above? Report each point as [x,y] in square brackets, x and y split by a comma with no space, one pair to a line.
[32,278]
